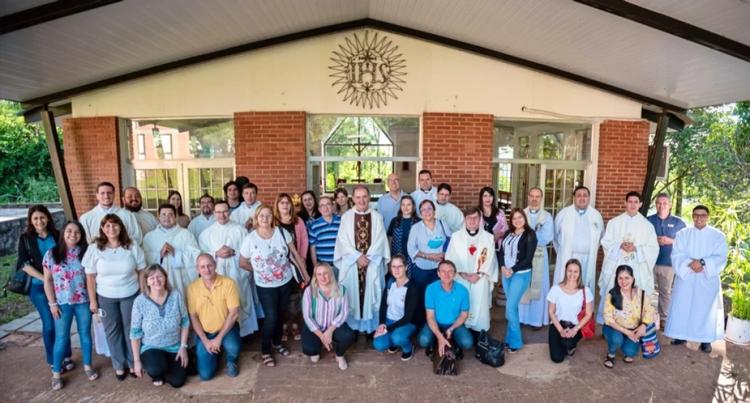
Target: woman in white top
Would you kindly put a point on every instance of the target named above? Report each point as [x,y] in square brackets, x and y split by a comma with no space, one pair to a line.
[112,265]
[268,252]
[565,302]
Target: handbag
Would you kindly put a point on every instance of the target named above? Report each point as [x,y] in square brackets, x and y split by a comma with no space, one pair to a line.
[445,365]
[588,330]
[296,271]
[489,350]
[20,282]
[650,346]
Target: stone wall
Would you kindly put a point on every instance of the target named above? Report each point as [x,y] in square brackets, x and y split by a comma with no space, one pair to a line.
[10,230]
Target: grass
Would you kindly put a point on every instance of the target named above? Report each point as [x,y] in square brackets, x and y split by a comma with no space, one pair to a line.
[12,306]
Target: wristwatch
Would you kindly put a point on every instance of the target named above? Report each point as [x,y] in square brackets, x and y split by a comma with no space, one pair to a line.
[185,346]
[703,263]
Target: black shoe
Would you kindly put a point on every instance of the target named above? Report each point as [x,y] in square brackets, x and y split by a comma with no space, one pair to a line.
[676,342]
[392,350]
[121,377]
[407,356]
[706,347]
[572,352]
[428,351]
[459,353]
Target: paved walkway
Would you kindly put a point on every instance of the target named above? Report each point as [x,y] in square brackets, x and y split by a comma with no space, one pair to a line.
[679,374]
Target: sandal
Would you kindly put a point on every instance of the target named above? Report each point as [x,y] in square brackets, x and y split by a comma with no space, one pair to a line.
[281,350]
[295,332]
[68,365]
[57,383]
[268,360]
[284,332]
[91,374]
[628,360]
[609,362]
[158,383]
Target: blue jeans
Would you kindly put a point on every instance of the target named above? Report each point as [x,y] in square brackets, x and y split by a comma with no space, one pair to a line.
[39,299]
[421,279]
[461,336]
[616,340]
[399,337]
[207,362]
[62,333]
[514,287]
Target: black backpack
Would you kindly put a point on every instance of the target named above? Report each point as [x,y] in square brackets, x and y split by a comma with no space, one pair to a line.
[490,351]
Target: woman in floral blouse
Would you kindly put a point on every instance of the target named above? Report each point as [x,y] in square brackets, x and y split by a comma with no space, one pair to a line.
[65,287]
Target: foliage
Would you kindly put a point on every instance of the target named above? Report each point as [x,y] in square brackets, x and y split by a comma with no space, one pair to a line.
[12,306]
[25,168]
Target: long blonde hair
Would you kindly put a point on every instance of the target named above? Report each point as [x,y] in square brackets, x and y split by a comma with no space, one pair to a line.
[574,261]
[336,291]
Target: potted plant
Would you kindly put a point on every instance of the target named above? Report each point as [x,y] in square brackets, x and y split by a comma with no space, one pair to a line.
[738,275]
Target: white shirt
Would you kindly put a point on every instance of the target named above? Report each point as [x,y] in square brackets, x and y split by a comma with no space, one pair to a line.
[115,269]
[396,301]
[200,223]
[568,306]
[92,221]
[146,221]
[271,267]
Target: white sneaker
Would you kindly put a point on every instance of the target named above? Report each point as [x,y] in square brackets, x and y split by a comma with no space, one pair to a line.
[342,363]
[315,358]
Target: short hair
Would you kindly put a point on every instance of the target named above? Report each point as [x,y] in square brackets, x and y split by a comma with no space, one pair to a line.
[537,188]
[633,193]
[168,207]
[204,254]
[425,171]
[326,197]
[220,201]
[702,207]
[663,194]
[240,181]
[156,267]
[264,206]
[250,185]
[445,186]
[579,187]
[449,263]
[360,186]
[471,210]
[398,256]
[105,183]
[207,196]
[227,185]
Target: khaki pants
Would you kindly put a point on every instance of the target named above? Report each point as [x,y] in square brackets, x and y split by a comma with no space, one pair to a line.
[664,277]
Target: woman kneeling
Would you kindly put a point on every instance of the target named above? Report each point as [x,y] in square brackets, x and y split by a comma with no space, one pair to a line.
[397,308]
[565,302]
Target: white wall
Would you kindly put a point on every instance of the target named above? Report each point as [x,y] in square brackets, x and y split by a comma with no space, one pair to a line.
[295,76]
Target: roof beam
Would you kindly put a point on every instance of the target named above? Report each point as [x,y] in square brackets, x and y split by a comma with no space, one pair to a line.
[48,12]
[351,25]
[672,26]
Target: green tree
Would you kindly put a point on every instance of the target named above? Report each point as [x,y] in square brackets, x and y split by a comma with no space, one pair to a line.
[25,169]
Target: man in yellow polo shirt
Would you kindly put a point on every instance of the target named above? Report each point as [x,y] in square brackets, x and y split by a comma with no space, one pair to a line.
[214,305]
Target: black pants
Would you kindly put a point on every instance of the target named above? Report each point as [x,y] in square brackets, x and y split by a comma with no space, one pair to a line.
[275,302]
[161,365]
[559,346]
[343,338]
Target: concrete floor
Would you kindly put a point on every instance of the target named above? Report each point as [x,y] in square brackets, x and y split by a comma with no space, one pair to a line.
[679,374]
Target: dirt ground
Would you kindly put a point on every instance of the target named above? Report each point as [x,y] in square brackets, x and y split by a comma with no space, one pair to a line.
[679,374]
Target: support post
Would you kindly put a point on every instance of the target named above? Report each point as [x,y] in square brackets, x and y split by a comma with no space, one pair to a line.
[654,159]
[58,164]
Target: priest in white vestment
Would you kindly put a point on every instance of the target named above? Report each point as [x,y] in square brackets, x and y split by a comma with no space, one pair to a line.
[446,211]
[133,202]
[361,254]
[223,240]
[174,248]
[699,254]
[245,213]
[472,250]
[532,310]
[206,217]
[630,240]
[92,219]
[578,230]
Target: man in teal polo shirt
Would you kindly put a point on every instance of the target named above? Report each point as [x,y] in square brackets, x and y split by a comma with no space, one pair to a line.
[447,305]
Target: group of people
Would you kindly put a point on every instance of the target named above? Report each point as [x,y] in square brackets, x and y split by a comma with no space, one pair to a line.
[172,288]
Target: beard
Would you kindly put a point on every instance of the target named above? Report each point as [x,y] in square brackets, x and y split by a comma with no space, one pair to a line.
[134,209]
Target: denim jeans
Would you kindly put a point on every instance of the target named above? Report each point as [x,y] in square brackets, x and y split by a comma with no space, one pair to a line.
[62,333]
[616,340]
[515,286]
[398,337]
[343,338]
[207,362]
[39,299]
[421,279]
[275,303]
[461,336]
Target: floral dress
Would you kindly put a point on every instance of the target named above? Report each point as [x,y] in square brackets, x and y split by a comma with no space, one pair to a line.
[68,277]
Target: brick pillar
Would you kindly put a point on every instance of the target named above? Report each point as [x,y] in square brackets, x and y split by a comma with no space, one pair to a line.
[623,156]
[91,151]
[457,148]
[270,150]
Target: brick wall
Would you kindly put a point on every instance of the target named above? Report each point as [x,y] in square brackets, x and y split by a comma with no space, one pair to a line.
[623,157]
[270,150]
[91,156]
[457,148]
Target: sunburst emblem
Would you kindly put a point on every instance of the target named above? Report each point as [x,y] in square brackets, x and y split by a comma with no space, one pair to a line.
[368,70]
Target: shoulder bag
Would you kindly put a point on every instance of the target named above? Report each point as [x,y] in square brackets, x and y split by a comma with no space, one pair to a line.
[296,271]
[20,282]
[588,330]
[650,346]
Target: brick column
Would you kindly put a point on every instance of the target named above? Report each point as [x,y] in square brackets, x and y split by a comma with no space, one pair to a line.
[270,150]
[457,148]
[623,156]
[91,151]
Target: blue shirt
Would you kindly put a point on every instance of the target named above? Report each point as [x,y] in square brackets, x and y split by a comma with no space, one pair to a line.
[159,326]
[669,228]
[388,207]
[322,235]
[447,305]
[44,245]
[421,239]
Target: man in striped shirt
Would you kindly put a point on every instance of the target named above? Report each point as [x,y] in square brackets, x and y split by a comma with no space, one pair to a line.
[322,233]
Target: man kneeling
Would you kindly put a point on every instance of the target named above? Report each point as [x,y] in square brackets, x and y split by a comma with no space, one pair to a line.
[447,306]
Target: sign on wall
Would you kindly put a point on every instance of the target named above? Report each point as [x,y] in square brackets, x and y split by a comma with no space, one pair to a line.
[368,70]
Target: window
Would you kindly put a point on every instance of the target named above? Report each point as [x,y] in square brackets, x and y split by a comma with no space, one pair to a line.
[344,151]
[155,185]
